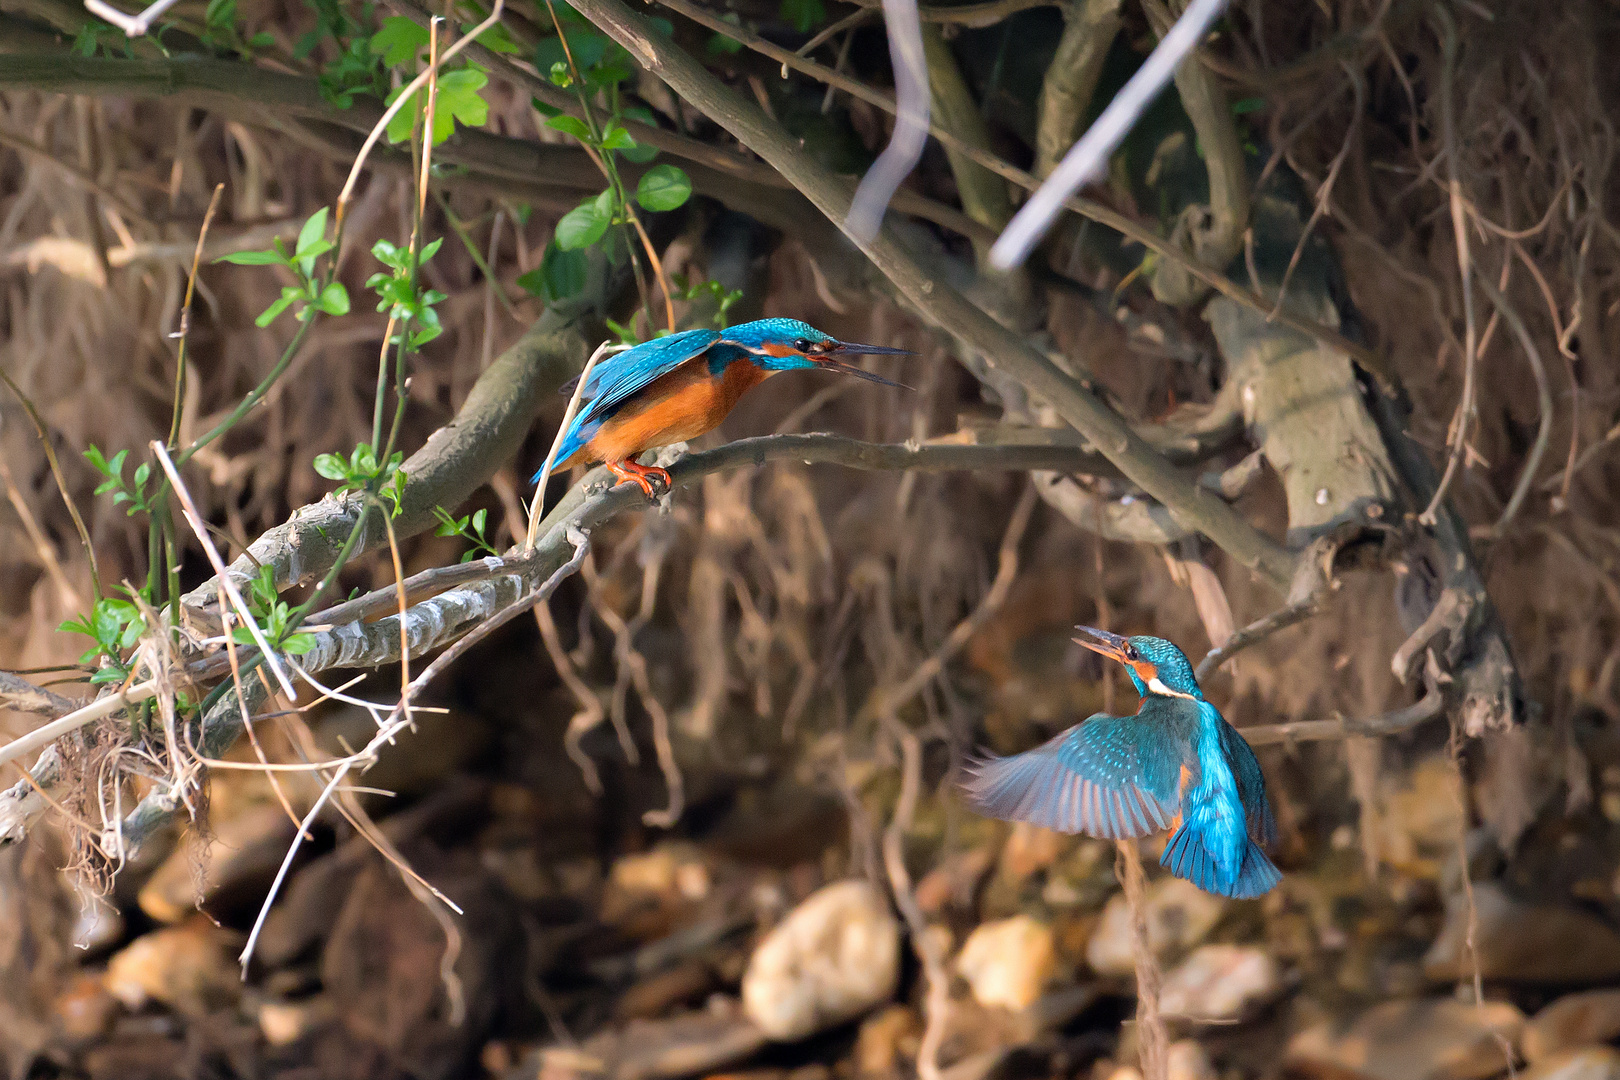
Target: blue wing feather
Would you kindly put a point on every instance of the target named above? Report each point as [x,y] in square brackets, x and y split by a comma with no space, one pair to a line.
[1113,777]
[616,378]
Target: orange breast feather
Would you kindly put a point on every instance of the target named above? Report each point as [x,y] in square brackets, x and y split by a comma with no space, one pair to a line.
[682,405]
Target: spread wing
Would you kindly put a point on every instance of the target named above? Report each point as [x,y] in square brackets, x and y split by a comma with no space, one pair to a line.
[618,377]
[1112,776]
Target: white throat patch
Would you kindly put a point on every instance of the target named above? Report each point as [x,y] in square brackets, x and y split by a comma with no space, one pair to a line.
[1158,687]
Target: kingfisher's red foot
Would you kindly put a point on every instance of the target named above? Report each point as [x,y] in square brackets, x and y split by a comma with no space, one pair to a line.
[652,480]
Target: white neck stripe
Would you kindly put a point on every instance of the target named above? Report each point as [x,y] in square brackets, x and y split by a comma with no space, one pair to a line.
[1158,687]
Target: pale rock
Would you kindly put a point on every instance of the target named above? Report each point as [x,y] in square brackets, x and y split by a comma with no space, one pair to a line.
[1179,916]
[1220,983]
[832,958]
[188,968]
[1573,1020]
[1427,1039]
[283,1023]
[1007,963]
[1187,1060]
[1586,1063]
[1519,941]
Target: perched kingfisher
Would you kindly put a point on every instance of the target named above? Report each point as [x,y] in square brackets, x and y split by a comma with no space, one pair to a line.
[1177,765]
[675,388]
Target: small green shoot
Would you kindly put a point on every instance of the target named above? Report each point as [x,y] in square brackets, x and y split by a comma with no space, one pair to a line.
[470,527]
[132,491]
[113,625]
[398,292]
[273,615]
[361,472]
[329,298]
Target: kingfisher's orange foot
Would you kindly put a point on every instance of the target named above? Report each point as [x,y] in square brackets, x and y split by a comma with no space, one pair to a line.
[652,480]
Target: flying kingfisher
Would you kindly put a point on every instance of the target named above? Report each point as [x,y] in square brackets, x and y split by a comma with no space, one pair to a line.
[675,388]
[1177,765]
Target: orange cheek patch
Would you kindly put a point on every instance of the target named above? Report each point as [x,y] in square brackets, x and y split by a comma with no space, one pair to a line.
[779,350]
[1145,671]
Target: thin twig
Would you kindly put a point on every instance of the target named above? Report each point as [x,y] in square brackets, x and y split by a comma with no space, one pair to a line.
[99,709]
[42,544]
[1544,402]
[1465,261]
[61,481]
[185,316]
[1152,1041]
[556,444]
[910,135]
[189,509]
[1258,631]
[1391,723]
[1086,160]
[885,701]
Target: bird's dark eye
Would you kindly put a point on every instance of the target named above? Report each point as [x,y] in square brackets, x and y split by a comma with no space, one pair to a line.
[1131,653]
[803,345]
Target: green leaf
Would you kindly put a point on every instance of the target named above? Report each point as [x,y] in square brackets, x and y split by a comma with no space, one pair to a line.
[478,519]
[268,316]
[298,644]
[334,299]
[220,14]
[388,253]
[332,466]
[586,46]
[805,15]
[721,43]
[581,227]
[607,204]
[399,41]
[664,187]
[571,125]
[616,138]
[430,249]
[561,274]
[313,232]
[399,128]
[459,101]
[254,258]
[142,472]
[495,39]
[640,153]
[1248,105]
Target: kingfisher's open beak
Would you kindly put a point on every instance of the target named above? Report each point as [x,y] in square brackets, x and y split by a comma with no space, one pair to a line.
[855,348]
[1109,645]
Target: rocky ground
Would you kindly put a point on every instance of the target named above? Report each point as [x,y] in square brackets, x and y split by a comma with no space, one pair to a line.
[760,938]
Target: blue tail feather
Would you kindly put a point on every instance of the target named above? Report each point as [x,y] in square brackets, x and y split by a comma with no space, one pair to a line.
[1186,856]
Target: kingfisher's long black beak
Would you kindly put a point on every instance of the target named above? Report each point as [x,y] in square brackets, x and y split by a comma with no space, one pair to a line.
[1109,645]
[855,348]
